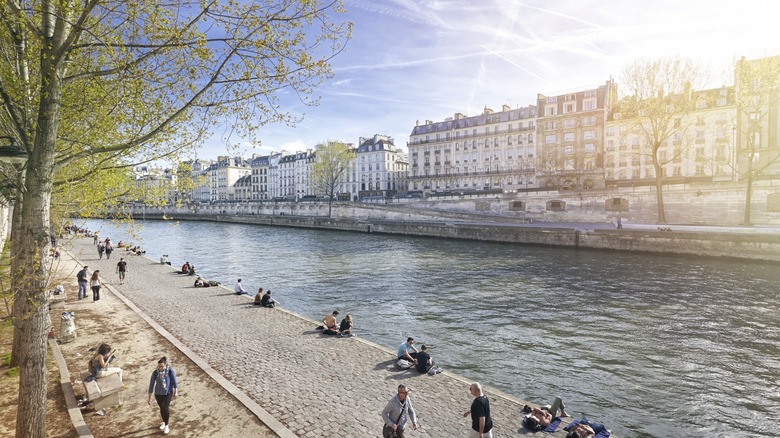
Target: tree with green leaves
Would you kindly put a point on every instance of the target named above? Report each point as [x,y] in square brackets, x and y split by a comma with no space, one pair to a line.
[87,86]
[333,160]
[757,88]
[660,98]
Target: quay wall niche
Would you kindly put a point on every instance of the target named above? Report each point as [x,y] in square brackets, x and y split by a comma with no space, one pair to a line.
[773,202]
[616,204]
[556,205]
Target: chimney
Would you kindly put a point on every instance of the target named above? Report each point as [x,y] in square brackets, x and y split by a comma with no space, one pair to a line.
[428,122]
[505,108]
[487,111]
[459,116]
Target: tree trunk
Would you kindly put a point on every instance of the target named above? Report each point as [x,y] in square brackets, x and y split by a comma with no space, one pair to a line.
[16,279]
[32,248]
[659,195]
[749,190]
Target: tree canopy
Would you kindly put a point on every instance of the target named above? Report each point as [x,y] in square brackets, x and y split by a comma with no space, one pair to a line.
[332,162]
[94,86]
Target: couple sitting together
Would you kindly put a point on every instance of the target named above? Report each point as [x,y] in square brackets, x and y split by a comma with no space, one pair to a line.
[420,359]
[264,300]
[540,419]
[343,330]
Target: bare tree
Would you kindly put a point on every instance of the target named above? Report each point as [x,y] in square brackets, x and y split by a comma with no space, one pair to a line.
[757,88]
[660,99]
[116,80]
[332,161]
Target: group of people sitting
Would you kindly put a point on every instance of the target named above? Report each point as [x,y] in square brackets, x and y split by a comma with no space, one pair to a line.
[264,299]
[136,250]
[409,356]
[330,326]
[187,268]
[537,419]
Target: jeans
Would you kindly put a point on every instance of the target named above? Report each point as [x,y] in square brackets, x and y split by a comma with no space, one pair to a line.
[95,293]
[82,289]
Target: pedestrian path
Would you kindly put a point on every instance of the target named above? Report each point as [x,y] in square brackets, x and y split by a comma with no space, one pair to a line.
[315,385]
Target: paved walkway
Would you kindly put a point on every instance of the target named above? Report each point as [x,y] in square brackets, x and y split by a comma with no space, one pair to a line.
[315,385]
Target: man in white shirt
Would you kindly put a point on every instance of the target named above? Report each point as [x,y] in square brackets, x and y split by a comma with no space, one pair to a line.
[239,289]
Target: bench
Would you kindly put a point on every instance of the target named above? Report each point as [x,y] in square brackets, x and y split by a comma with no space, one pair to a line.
[103,392]
[57,301]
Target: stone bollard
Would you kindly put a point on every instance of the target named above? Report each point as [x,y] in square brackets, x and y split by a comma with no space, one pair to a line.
[68,327]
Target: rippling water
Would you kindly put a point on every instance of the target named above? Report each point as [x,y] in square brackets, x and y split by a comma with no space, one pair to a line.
[662,346]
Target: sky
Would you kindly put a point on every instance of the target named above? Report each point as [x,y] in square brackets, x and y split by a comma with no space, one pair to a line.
[412,60]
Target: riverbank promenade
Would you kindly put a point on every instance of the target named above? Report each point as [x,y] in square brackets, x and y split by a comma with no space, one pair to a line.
[314,385]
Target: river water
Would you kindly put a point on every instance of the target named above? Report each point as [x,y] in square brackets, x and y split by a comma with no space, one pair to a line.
[651,345]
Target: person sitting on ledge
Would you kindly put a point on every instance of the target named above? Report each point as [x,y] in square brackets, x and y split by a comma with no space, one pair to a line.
[408,351]
[330,324]
[199,282]
[192,270]
[538,419]
[185,268]
[259,297]
[345,328]
[267,301]
[164,260]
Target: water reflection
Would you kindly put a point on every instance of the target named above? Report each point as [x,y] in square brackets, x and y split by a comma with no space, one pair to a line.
[650,345]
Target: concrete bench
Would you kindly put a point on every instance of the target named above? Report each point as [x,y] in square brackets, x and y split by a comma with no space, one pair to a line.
[57,301]
[103,392]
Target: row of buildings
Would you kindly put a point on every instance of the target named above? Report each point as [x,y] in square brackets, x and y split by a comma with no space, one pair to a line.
[580,140]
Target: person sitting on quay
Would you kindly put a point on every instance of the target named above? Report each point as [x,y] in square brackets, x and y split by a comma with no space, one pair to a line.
[329,323]
[585,428]
[164,260]
[199,282]
[345,328]
[259,297]
[424,361]
[191,270]
[239,289]
[407,351]
[267,300]
[539,419]
[185,268]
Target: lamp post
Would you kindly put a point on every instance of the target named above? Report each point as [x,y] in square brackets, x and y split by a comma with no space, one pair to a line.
[12,152]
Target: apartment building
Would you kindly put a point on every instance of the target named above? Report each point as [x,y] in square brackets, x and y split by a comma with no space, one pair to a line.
[380,168]
[491,151]
[701,145]
[570,128]
[224,173]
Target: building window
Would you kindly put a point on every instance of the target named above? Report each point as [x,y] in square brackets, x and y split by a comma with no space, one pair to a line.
[589,104]
[569,136]
[589,134]
[550,139]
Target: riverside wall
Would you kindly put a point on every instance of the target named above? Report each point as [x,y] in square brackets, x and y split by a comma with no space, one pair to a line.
[754,246]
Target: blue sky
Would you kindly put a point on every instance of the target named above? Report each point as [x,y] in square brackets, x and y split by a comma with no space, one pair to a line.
[413,60]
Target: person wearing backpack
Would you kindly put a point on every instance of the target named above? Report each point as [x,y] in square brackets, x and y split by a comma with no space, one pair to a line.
[164,386]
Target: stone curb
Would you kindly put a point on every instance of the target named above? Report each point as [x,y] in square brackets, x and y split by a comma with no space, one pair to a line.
[67,388]
[275,425]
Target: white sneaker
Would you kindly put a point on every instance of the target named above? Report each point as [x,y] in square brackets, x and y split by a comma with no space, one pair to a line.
[166,431]
[162,426]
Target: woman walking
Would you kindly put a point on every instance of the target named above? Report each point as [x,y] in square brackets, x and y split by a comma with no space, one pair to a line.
[95,283]
[164,387]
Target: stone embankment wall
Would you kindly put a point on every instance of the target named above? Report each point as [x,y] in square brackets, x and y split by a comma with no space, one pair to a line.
[754,246]
[700,204]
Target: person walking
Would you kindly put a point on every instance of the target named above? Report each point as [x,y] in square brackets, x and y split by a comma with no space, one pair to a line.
[121,269]
[95,282]
[481,423]
[109,248]
[165,387]
[100,248]
[82,279]
[398,413]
